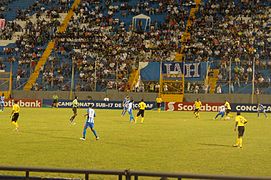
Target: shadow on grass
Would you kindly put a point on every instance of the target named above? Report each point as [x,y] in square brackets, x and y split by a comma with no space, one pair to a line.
[217,145]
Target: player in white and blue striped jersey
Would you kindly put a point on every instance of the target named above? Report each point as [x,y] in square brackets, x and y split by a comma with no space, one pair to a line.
[90,123]
[221,112]
[2,102]
[130,110]
[261,109]
[125,104]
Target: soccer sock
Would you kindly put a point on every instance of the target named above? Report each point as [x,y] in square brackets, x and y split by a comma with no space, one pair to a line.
[240,141]
[132,117]
[265,115]
[159,109]
[237,141]
[84,133]
[15,124]
[258,114]
[136,119]
[94,132]
[142,120]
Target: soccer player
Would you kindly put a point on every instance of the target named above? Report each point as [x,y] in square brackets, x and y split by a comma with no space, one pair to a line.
[261,109]
[15,114]
[142,106]
[89,123]
[74,108]
[130,110]
[221,112]
[2,102]
[159,102]
[240,122]
[125,103]
[197,106]
[55,101]
[228,109]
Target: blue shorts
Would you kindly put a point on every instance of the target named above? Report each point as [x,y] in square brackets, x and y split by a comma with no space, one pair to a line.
[221,113]
[90,125]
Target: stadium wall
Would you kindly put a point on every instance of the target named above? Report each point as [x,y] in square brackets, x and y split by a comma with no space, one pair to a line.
[117,96]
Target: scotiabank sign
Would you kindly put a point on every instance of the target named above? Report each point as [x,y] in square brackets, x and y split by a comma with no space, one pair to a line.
[189,106]
[213,107]
[31,103]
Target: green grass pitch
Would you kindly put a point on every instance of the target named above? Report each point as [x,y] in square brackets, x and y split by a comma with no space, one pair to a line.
[167,141]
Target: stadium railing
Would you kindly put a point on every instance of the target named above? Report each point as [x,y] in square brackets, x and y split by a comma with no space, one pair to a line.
[127,174]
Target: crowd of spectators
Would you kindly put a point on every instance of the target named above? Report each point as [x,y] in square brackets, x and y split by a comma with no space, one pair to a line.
[34,38]
[104,47]
[229,33]
[108,48]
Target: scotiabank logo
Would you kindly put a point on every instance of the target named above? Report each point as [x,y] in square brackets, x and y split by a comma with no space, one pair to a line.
[30,103]
[178,106]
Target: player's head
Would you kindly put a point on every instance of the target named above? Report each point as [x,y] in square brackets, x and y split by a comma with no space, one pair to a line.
[2,94]
[127,97]
[90,105]
[16,102]
[197,99]
[75,97]
[238,113]
[142,100]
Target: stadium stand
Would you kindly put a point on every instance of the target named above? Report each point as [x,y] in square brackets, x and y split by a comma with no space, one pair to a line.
[104,47]
[236,31]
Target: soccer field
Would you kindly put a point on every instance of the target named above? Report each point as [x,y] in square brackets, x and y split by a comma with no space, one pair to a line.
[167,141]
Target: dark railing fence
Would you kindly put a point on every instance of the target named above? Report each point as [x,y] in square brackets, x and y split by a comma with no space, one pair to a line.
[125,174]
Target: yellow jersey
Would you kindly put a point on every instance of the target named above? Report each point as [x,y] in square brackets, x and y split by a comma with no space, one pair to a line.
[240,120]
[159,100]
[227,105]
[75,103]
[142,105]
[16,108]
[197,104]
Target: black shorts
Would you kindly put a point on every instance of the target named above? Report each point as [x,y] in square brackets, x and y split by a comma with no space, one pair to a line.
[55,101]
[228,111]
[74,109]
[158,105]
[241,130]
[140,112]
[15,117]
[196,110]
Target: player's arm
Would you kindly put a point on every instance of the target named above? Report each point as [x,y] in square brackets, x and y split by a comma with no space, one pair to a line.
[245,120]
[236,123]
[12,112]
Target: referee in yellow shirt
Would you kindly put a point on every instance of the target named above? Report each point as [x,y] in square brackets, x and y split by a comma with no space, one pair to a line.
[159,102]
[142,106]
[197,106]
[240,122]
[15,114]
